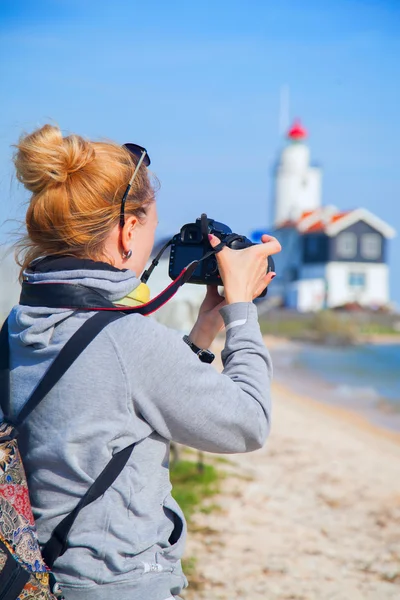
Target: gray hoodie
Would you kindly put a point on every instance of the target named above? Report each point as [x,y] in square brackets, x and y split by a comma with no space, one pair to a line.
[136,382]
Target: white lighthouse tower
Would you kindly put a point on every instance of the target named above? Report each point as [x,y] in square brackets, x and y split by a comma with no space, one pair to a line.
[297,183]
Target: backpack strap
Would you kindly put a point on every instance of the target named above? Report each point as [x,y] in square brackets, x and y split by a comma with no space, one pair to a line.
[57,544]
[4,371]
[67,355]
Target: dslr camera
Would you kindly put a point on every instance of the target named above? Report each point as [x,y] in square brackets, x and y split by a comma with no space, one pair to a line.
[192,244]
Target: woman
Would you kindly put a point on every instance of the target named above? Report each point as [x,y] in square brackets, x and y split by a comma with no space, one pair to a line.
[136,382]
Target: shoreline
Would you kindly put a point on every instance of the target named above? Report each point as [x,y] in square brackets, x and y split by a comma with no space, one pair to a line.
[314,514]
[380,339]
[356,398]
[340,413]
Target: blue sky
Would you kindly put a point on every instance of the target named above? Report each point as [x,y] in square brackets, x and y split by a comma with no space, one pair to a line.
[198,84]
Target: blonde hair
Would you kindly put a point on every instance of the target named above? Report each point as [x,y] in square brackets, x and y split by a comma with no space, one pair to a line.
[77,187]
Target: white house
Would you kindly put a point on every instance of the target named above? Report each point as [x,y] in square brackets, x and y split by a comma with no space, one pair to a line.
[329,257]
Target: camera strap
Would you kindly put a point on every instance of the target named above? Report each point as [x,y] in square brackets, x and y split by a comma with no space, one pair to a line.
[80,297]
[146,274]
[228,240]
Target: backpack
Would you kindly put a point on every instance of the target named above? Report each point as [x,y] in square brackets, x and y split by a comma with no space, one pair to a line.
[25,570]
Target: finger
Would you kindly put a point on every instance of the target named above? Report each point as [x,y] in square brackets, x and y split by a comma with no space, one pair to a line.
[270,245]
[261,286]
[212,287]
[214,241]
[212,292]
[222,304]
[266,238]
[266,280]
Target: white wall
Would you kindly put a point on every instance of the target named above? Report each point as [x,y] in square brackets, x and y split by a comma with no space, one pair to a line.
[306,296]
[312,288]
[9,285]
[311,295]
[375,293]
[297,185]
[314,189]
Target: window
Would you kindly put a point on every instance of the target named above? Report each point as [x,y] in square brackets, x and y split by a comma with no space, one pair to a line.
[357,280]
[371,245]
[346,245]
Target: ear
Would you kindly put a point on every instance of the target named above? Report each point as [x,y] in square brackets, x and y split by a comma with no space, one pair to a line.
[127,233]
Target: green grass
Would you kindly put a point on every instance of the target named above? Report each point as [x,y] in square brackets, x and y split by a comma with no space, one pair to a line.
[375,328]
[189,566]
[191,486]
[326,326]
[290,328]
[192,489]
[210,508]
[222,460]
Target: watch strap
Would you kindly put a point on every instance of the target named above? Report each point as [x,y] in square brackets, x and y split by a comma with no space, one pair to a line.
[204,355]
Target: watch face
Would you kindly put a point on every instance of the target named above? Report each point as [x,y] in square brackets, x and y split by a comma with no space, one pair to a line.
[206,356]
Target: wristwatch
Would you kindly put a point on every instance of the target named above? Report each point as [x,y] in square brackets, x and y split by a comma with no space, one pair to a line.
[205,356]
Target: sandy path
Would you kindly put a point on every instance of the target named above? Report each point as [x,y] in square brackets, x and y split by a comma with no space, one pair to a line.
[313,515]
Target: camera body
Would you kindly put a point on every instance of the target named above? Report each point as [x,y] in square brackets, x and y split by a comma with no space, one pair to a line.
[192,243]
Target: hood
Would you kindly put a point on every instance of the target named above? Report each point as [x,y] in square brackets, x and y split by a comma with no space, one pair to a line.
[30,325]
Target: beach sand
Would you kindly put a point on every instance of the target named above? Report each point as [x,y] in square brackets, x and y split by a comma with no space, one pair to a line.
[315,514]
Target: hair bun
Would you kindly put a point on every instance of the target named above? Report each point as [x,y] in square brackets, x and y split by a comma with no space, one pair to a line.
[45,158]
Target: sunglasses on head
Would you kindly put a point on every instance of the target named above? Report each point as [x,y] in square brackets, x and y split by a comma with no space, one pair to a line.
[140,154]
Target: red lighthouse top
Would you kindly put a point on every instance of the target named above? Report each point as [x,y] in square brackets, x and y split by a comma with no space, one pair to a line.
[297,131]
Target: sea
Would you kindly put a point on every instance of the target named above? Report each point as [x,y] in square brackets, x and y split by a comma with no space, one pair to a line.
[363,378]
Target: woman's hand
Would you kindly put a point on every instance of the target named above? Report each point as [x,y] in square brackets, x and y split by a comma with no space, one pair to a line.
[244,272]
[209,322]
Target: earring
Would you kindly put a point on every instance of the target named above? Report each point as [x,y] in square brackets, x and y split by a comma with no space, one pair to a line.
[127,255]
